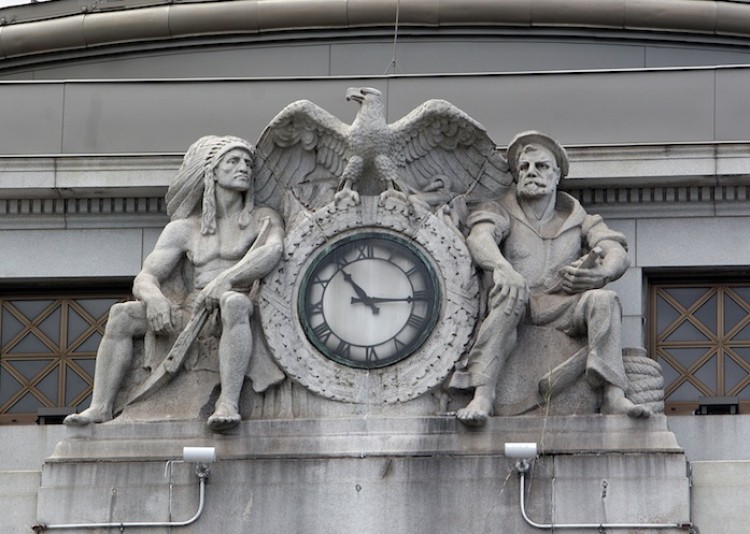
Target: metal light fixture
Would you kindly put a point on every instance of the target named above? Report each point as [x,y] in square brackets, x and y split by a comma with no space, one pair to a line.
[202,456]
[525,454]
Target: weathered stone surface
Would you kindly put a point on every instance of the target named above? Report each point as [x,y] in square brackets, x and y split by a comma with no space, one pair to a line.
[400,382]
[369,436]
[546,263]
[197,281]
[538,351]
[348,435]
[375,474]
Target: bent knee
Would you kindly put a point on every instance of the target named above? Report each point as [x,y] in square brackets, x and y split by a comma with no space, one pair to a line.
[126,318]
[601,298]
[235,306]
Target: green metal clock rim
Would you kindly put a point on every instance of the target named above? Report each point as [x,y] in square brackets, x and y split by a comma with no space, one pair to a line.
[433,312]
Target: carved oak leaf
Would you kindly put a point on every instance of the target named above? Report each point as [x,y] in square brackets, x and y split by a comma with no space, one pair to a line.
[436,153]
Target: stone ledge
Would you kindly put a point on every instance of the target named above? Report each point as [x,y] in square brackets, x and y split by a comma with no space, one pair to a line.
[365,437]
[685,171]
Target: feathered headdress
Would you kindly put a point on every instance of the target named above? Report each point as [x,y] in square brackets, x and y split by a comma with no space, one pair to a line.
[196,180]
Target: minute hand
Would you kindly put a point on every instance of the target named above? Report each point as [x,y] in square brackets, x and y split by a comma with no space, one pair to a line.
[378,300]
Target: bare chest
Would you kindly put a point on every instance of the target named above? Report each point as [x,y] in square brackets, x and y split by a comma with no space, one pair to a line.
[227,246]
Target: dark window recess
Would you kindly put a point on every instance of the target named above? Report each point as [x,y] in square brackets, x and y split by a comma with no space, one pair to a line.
[700,334]
[48,344]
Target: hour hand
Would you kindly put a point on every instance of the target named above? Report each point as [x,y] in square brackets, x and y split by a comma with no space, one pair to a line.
[361,293]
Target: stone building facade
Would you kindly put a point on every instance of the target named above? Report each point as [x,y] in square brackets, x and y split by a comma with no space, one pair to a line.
[649,97]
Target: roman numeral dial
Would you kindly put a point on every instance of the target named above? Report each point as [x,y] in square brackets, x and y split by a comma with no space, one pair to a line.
[370,299]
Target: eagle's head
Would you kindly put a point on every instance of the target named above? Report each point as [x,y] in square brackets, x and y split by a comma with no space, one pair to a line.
[364,94]
[370,103]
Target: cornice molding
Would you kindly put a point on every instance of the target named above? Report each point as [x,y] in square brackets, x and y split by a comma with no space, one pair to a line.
[78,25]
[150,212]
[592,167]
[651,180]
[82,206]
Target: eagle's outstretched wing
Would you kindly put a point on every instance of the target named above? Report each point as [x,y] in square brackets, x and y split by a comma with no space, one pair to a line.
[442,152]
[302,151]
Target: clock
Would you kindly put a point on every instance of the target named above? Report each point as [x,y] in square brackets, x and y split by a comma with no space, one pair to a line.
[370,304]
[369,300]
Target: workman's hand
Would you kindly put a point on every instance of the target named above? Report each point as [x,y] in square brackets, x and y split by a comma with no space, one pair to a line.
[509,289]
[578,280]
[159,314]
[212,293]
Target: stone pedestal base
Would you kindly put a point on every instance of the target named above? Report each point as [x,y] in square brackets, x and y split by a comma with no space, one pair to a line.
[370,475]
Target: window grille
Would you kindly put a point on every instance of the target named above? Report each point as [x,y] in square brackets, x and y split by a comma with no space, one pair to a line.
[700,334]
[48,346]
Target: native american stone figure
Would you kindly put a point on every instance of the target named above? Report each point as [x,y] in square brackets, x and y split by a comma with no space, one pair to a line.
[228,243]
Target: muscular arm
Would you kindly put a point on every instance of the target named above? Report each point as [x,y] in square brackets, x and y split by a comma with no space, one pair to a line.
[257,262]
[169,251]
[509,286]
[260,259]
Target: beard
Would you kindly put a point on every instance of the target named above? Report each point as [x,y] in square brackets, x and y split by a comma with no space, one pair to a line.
[531,190]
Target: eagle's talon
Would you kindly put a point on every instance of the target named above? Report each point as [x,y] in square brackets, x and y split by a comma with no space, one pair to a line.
[346,198]
[392,200]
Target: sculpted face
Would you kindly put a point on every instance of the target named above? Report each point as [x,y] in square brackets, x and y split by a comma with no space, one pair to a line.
[538,172]
[234,170]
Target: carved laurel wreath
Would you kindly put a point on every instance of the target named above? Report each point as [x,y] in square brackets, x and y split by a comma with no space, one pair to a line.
[407,379]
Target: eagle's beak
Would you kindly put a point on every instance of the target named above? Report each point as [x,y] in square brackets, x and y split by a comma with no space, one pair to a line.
[355,93]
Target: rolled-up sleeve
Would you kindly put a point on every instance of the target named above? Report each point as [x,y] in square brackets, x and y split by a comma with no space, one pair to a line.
[595,231]
[491,212]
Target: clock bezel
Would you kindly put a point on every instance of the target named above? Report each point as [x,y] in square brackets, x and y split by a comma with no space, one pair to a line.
[432,315]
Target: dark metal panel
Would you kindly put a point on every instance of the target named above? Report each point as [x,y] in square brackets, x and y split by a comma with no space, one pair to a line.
[462,56]
[579,108]
[678,56]
[168,117]
[235,62]
[733,104]
[31,118]
[586,108]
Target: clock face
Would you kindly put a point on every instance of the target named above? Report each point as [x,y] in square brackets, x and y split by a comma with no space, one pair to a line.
[369,300]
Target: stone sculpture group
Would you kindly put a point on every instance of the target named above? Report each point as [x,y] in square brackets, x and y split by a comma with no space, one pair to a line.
[339,205]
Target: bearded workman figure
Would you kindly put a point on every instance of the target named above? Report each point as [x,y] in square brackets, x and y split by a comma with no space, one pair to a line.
[216,228]
[534,242]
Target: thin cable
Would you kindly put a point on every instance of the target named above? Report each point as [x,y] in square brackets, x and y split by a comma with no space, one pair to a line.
[395,42]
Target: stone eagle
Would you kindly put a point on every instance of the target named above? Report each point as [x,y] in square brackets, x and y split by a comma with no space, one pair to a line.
[435,154]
